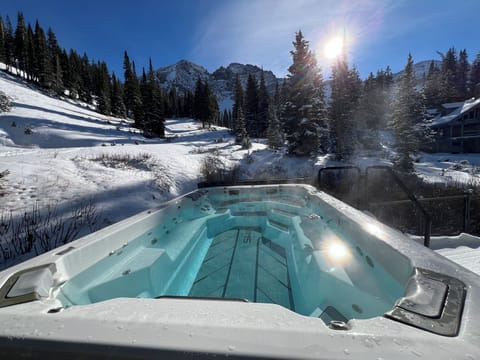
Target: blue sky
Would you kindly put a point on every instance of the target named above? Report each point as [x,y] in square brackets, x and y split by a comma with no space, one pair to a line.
[212,33]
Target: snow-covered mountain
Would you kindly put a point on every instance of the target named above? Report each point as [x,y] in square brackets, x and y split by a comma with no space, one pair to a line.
[420,70]
[184,74]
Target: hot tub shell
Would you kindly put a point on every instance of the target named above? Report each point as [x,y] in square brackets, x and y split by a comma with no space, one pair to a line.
[179,327]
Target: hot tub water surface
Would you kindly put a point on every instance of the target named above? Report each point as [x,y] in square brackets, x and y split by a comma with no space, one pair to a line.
[280,244]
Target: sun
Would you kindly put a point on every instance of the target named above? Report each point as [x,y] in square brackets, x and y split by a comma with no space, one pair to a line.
[334,48]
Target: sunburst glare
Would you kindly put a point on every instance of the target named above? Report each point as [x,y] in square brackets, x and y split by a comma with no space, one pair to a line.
[334,48]
[336,251]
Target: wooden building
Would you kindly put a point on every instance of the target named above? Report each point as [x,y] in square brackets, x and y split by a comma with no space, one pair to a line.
[457,128]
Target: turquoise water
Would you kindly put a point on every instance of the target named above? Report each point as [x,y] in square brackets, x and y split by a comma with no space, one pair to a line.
[268,244]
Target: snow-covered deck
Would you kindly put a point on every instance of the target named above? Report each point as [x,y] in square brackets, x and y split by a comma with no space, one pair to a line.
[463,249]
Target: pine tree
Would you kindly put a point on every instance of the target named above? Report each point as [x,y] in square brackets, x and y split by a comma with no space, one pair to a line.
[9,44]
[238,102]
[75,66]
[31,55]
[346,91]
[103,89]
[369,113]
[433,90]
[154,104]
[251,106]
[172,103]
[20,43]
[188,104]
[2,41]
[132,100]
[138,112]
[241,135]
[303,109]
[475,77]
[373,111]
[276,97]
[449,76]
[86,84]
[408,122]
[55,51]
[263,107]
[118,106]
[274,131]
[199,102]
[463,68]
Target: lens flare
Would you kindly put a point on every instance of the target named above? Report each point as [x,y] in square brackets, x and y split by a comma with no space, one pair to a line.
[337,252]
[334,48]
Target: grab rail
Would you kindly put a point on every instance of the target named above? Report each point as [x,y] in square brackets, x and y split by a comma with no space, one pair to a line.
[396,178]
[411,196]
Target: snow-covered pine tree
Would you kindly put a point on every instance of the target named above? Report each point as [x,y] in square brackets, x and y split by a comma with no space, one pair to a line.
[238,103]
[303,104]
[263,107]
[56,84]
[432,89]
[409,124]
[251,106]
[153,104]
[205,104]
[31,54]
[274,130]
[172,103]
[103,89]
[20,43]
[463,68]
[449,76]
[118,106]
[374,108]
[241,135]
[346,90]
[42,58]
[132,96]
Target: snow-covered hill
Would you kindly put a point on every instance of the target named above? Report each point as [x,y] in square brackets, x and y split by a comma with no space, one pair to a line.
[63,152]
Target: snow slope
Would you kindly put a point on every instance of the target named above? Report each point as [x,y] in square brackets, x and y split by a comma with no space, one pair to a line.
[74,154]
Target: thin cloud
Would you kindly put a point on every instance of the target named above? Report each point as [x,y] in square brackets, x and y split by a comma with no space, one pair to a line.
[261,32]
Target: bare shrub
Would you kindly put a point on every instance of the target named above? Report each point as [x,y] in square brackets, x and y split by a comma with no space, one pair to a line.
[144,162]
[123,160]
[205,150]
[213,169]
[39,230]
[5,103]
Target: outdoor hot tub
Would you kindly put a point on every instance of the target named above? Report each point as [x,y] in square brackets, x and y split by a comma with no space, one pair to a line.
[273,270]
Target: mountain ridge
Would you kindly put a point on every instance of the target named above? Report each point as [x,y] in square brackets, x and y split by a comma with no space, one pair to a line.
[183,76]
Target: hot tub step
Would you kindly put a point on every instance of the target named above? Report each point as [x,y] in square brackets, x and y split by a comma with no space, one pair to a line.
[278,225]
[284,212]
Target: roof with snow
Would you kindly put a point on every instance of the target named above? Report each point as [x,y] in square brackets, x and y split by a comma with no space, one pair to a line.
[460,109]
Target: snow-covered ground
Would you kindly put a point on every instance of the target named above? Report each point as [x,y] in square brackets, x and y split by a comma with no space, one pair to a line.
[463,249]
[74,153]
[61,152]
